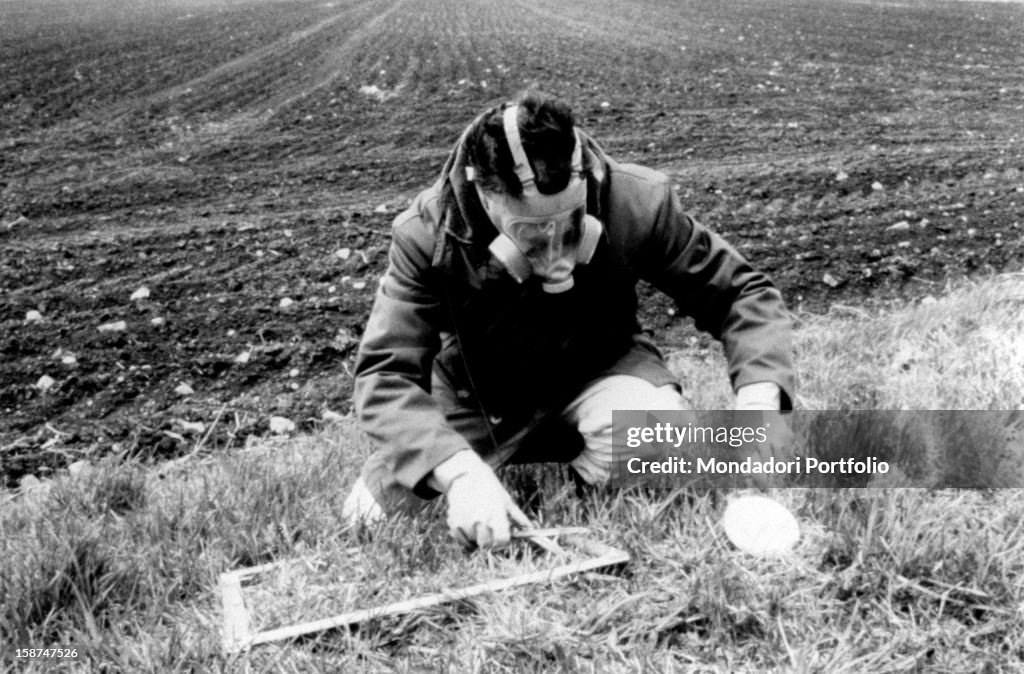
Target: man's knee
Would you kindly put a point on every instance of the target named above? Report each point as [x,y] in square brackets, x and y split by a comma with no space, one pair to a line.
[361,506]
[592,410]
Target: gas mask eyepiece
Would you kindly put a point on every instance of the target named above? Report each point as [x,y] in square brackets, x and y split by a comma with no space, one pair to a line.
[544,235]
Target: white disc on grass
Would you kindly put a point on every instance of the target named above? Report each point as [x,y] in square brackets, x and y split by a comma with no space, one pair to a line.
[760,526]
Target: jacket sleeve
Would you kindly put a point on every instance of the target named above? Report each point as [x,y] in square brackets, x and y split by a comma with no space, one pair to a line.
[393,367]
[710,281]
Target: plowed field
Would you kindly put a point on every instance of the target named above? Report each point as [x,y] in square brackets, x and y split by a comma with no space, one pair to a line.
[226,155]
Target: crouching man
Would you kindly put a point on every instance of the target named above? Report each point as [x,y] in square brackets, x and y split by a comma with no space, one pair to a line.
[505,328]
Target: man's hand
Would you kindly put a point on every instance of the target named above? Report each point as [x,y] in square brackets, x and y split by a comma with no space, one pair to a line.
[479,508]
[780,443]
[766,397]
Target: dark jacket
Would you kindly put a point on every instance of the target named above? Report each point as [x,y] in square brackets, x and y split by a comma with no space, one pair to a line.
[446,307]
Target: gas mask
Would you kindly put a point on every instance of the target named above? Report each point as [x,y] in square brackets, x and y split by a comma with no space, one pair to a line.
[544,235]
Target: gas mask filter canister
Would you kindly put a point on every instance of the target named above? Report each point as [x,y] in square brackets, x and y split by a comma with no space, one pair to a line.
[545,235]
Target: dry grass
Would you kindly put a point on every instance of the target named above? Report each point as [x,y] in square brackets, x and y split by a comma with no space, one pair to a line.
[124,563]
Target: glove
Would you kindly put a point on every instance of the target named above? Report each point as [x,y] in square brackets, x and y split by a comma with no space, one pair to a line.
[767,397]
[479,508]
[780,443]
